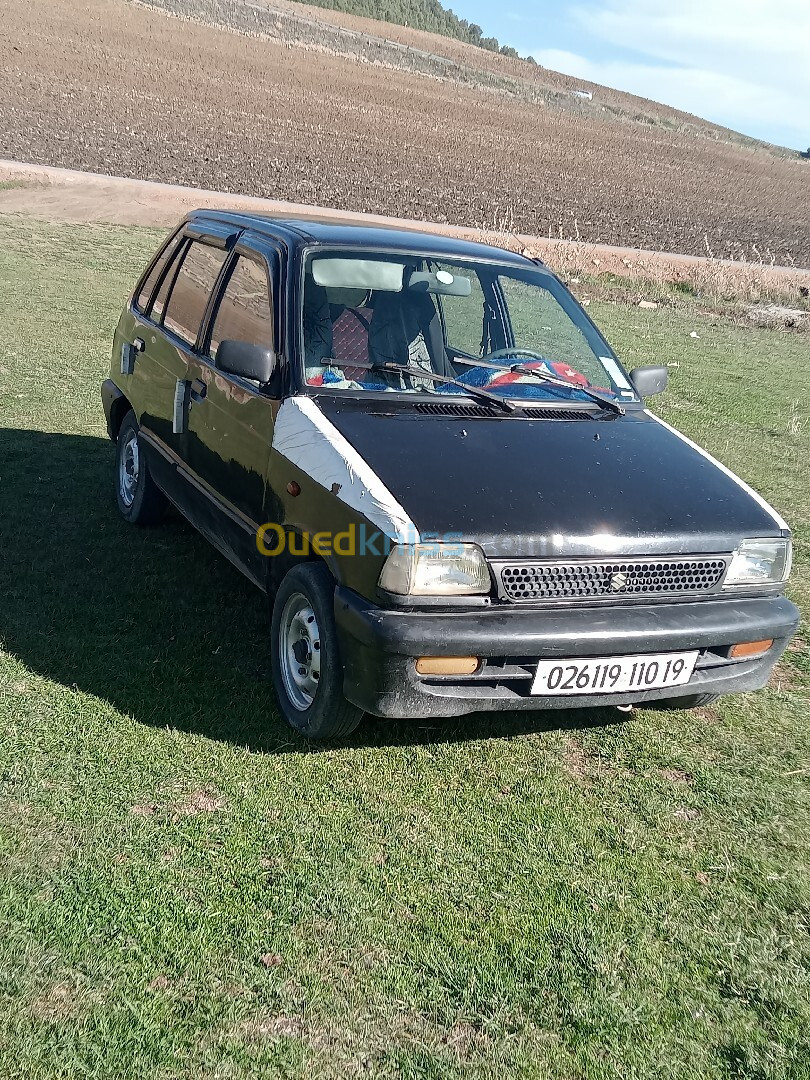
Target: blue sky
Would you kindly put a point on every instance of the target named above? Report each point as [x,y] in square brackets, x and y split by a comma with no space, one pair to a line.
[741,63]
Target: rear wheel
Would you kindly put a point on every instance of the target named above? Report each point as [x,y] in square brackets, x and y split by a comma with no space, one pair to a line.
[688,701]
[140,500]
[306,663]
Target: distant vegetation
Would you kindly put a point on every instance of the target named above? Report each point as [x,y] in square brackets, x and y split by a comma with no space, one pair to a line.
[427,15]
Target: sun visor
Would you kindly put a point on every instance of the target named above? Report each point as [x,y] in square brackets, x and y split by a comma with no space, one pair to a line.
[358,274]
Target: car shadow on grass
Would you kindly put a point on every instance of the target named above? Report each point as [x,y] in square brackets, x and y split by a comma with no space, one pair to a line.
[154,621]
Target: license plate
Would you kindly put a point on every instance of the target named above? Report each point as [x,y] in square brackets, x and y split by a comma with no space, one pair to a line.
[613,674]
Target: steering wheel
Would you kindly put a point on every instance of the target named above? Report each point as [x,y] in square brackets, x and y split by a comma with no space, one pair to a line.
[502,353]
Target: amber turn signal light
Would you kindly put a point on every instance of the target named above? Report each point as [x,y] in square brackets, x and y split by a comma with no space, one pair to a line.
[447,665]
[750,648]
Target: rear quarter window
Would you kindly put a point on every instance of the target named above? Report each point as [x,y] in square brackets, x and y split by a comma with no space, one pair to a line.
[149,283]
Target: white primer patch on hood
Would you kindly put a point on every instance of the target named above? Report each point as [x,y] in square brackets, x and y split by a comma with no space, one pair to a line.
[307,438]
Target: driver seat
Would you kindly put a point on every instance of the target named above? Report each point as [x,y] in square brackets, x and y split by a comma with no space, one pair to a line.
[406,329]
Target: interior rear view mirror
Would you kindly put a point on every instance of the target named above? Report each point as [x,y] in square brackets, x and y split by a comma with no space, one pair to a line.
[442,282]
[246,360]
[648,381]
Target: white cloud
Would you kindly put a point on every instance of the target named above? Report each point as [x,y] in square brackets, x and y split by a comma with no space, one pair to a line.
[742,63]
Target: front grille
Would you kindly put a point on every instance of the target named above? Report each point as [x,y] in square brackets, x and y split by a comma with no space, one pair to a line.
[636,578]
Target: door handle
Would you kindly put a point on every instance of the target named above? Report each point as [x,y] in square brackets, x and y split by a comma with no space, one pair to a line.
[199,389]
[129,353]
[180,410]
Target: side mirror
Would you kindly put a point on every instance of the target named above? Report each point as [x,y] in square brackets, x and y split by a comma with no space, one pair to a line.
[648,381]
[248,361]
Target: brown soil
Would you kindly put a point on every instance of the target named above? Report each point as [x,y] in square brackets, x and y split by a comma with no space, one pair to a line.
[114,87]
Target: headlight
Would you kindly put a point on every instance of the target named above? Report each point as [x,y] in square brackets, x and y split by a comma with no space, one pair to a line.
[435,570]
[760,562]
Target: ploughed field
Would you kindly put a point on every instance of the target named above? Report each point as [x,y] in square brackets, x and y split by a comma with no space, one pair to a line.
[189,890]
[312,113]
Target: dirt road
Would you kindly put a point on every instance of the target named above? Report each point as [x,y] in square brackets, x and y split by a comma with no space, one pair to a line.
[65,195]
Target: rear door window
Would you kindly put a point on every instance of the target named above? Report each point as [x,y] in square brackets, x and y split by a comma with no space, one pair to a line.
[245,311]
[192,287]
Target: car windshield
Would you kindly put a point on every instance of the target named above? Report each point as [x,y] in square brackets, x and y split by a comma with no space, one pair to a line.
[500,328]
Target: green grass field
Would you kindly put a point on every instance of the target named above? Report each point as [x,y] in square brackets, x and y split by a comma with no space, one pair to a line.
[188,890]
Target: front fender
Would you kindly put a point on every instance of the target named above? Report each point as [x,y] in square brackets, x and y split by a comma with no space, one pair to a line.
[116,406]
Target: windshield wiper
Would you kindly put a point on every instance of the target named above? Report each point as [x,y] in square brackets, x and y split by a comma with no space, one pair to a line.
[474,392]
[552,380]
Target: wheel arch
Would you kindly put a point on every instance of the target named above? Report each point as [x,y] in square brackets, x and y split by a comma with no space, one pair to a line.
[280,565]
[116,407]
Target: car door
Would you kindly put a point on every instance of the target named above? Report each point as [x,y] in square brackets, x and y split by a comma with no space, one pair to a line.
[230,425]
[177,314]
[153,369]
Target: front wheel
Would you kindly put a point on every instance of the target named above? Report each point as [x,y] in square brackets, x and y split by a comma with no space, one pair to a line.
[305,658]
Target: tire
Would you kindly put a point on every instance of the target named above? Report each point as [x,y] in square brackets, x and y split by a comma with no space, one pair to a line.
[688,701]
[305,657]
[140,500]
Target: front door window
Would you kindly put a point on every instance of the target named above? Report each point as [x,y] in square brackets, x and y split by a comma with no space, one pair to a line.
[245,312]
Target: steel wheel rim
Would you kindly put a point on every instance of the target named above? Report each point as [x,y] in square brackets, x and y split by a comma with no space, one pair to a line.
[299,650]
[128,469]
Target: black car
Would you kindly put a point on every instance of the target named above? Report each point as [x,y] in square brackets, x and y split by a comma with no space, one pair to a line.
[433,463]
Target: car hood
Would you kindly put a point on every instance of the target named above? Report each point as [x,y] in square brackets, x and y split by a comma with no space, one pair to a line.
[553,487]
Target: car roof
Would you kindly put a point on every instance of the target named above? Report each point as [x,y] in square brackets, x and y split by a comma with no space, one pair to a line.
[300,232]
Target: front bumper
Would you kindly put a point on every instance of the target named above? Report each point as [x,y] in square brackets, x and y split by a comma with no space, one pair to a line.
[379,647]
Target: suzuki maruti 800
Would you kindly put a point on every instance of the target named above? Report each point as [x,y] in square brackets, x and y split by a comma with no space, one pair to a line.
[429,458]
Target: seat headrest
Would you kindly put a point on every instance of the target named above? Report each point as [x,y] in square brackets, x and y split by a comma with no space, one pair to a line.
[350,298]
